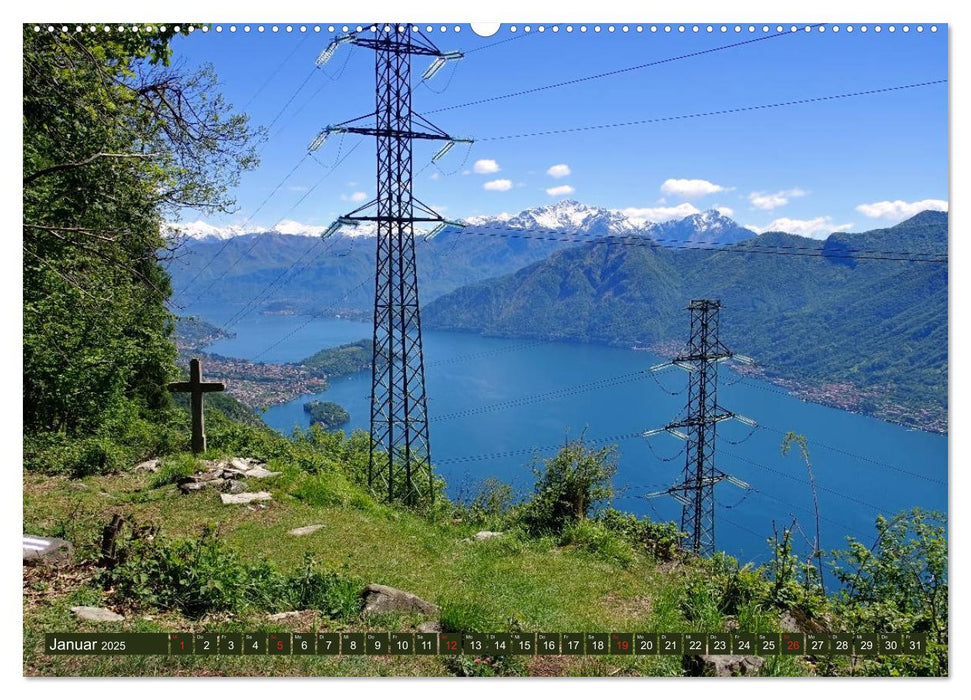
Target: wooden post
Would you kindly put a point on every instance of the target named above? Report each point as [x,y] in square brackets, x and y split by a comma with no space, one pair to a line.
[196,388]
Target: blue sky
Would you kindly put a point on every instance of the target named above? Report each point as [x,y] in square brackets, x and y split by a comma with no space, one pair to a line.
[850,164]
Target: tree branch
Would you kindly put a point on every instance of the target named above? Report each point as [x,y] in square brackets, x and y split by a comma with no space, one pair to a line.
[87,161]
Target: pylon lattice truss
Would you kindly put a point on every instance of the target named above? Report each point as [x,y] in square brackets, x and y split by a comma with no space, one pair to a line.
[701,357]
[399,465]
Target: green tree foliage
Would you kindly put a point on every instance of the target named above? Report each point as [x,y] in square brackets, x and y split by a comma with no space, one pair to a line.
[568,486]
[900,582]
[117,139]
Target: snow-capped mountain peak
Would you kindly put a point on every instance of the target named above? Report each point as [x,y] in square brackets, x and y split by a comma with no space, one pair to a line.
[682,223]
[565,215]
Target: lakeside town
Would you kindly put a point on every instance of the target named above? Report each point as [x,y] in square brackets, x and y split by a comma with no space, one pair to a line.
[259,385]
[845,396]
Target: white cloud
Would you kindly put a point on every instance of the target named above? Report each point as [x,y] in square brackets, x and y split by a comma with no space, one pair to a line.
[820,227]
[771,200]
[559,170]
[725,211]
[498,185]
[690,189]
[435,175]
[354,197]
[486,166]
[898,210]
[560,191]
[643,215]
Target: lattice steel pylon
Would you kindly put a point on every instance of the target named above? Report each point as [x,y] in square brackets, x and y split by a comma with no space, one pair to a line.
[399,465]
[696,491]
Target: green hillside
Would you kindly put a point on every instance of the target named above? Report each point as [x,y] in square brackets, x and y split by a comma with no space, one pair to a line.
[564,561]
[834,316]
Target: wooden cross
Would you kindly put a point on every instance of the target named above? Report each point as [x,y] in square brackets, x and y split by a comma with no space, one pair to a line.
[197,388]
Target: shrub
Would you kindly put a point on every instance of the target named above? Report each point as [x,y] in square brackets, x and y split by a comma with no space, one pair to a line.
[491,505]
[568,486]
[197,577]
[900,584]
[661,540]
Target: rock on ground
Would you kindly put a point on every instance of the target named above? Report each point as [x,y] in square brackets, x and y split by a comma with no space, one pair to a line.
[233,486]
[432,627]
[150,465]
[47,550]
[485,535]
[231,498]
[725,665]
[220,474]
[305,530]
[86,612]
[384,599]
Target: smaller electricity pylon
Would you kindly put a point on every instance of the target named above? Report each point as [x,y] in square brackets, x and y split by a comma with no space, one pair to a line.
[696,491]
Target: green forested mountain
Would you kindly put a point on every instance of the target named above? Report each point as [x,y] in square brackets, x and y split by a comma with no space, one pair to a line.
[298,273]
[813,311]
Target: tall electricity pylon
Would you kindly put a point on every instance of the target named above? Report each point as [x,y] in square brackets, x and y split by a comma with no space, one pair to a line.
[696,491]
[399,465]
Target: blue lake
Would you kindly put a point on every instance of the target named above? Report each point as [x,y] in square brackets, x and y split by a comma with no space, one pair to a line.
[862,466]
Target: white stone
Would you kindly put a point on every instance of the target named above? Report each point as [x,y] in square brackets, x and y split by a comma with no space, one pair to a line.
[485,535]
[239,498]
[86,612]
[305,530]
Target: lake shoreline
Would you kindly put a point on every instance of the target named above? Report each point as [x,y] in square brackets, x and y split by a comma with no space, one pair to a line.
[274,384]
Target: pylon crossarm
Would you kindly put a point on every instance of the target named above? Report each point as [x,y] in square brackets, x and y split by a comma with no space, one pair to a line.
[745,420]
[421,206]
[428,125]
[392,133]
[661,366]
[341,128]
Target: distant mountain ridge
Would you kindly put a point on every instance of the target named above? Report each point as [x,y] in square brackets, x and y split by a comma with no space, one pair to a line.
[231,266]
[809,310]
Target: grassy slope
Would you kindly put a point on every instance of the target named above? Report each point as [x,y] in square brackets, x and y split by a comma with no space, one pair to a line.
[485,584]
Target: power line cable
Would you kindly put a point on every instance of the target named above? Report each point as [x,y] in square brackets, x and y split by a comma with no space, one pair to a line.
[272,75]
[258,238]
[545,396]
[313,317]
[805,482]
[537,449]
[618,71]
[862,458]
[713,113]
[249,218]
